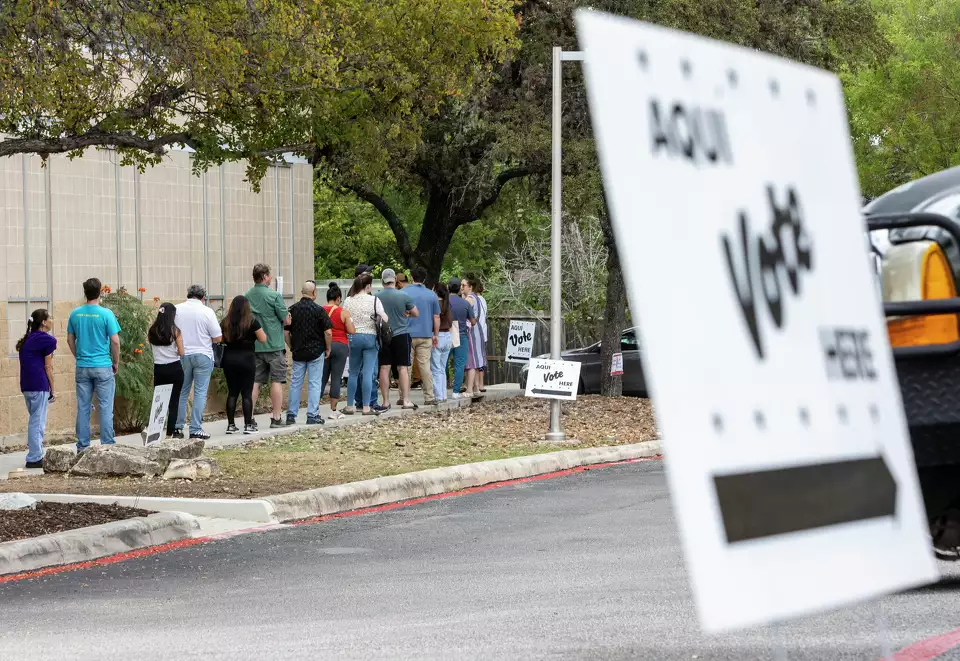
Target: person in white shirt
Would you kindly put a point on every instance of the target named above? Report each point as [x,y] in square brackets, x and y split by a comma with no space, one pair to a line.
[200,330]
[166,342]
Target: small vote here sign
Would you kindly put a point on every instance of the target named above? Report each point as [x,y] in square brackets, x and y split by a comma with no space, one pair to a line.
[553,379]
[520,341]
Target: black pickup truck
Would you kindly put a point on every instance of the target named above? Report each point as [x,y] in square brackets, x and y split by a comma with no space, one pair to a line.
[919,268]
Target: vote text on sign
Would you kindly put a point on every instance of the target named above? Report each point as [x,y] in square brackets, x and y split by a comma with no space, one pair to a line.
[520,341]
[553,379]
[766,352]
[159,410]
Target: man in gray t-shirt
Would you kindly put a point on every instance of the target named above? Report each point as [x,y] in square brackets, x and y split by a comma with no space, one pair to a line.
[399,308]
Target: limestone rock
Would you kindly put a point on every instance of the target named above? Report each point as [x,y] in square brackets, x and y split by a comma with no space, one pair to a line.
[201,468]
[116,461]
[59,459]
[17,501]
[163,453]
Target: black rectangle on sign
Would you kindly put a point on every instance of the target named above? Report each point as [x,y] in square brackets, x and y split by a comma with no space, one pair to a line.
[776,502]
[551,393]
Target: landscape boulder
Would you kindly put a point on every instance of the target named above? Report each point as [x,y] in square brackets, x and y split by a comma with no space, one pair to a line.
[59,459]
[164,452]
[17,501]
[116,461]
[201,468]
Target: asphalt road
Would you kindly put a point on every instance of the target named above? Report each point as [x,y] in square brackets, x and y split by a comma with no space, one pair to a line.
[585,566]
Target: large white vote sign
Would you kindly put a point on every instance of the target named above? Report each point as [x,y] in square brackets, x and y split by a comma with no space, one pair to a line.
[788,459]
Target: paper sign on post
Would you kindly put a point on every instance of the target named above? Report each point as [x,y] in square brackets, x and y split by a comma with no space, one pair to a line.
[553,379]
[616,365]
[789,462]
[159,410]
[520,341]
[280,285]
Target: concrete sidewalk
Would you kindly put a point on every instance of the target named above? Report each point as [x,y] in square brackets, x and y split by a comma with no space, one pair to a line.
[219,439]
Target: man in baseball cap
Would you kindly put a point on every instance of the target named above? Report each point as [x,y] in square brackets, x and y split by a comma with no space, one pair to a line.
[399,308]
[361,269]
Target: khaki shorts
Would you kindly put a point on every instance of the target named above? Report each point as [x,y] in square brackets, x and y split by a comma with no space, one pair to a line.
[271,366]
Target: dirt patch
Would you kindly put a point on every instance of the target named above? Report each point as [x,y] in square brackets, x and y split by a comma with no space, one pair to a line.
[56,517]
[389,446]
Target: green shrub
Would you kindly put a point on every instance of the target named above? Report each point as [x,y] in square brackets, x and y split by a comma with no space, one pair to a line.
[131,408]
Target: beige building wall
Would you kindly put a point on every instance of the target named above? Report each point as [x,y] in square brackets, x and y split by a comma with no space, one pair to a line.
[162,230]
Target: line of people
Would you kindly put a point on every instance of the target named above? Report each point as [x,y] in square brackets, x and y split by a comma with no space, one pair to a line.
[427,327]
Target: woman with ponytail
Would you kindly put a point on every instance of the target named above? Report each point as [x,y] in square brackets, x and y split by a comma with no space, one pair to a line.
[342,328]
[36,349]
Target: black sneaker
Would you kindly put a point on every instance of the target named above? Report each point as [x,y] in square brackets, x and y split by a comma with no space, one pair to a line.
[232,429]
[250,429]
[177,433]
[314,421]
[34,464]
[291,421]
[201,435]
[278,423]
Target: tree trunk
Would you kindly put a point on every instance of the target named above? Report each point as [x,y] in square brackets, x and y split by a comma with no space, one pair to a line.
[614,313]
[436,234]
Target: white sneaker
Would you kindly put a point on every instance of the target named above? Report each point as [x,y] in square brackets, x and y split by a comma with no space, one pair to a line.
[455,395]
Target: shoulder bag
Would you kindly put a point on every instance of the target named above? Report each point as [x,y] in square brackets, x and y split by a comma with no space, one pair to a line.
[384,334]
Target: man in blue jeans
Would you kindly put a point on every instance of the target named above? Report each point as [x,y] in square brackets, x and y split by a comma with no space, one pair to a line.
[310,337]
[199,329]
[93,336]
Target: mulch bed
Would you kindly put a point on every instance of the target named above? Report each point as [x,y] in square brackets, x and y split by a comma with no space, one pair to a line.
[56,517]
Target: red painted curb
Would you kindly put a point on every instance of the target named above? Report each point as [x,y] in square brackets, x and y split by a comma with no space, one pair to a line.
[486,487]
[185,543]
[929,648]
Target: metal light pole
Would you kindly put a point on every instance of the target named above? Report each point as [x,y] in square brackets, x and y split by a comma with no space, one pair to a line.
[556,432]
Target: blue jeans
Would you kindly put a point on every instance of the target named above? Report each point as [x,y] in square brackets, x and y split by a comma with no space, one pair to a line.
[460,361]
[375,391]
[363,363]
[438,365]
[37,402]
[197,369]
[97,380]
[314,374]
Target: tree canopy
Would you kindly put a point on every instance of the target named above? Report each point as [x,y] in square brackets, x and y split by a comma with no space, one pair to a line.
[905,112]
[235,79]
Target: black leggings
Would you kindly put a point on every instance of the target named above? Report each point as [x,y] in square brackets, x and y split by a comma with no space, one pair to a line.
[171,373]
[239,370]
[333,369]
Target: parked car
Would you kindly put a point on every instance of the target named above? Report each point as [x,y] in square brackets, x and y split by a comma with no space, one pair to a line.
[589,359]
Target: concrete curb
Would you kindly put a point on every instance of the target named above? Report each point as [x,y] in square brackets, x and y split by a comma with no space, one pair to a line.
[94,542]
[384,490]
[226,508]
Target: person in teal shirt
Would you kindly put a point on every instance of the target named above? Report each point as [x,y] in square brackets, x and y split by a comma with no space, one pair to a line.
[93,336]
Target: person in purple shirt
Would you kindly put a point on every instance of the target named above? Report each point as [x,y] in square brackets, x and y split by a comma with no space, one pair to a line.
[36,349]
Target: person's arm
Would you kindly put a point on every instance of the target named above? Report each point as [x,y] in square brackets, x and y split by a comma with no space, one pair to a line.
[328,338]
[347,322]
[261,335]
[179,343]
[48,368]
[72,343]
[115,351]
[382,312]
[412,311]
[280,309]
[436,330]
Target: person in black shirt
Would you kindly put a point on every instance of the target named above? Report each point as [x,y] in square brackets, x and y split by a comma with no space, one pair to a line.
[240,331]
[310,337]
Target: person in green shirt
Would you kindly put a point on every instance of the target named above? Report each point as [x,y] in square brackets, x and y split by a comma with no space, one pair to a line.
[271,356]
